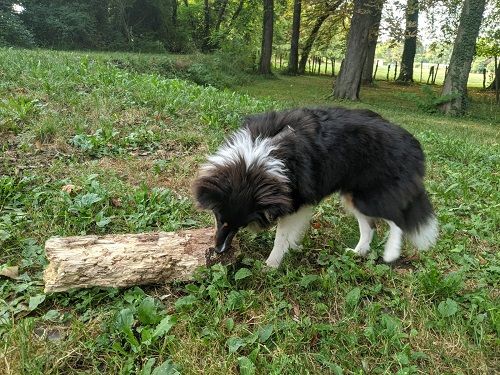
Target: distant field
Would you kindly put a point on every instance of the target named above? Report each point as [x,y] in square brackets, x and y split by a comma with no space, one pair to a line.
[475,79]
[109,143]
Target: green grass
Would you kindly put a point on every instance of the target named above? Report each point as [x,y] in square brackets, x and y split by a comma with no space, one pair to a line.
[91,147]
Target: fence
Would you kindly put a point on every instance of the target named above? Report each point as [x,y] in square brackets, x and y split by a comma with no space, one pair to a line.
[423,72]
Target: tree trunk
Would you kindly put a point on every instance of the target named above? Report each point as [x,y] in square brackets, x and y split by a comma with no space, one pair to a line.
[348,82]
[461,57]
[123,260]
[367,76]
[267,38]
[410,46]
[206,26]
[497,72]
[220,14]
[293,62]
[306,50]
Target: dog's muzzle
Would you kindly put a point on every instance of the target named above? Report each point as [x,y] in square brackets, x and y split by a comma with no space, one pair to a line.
[223,238]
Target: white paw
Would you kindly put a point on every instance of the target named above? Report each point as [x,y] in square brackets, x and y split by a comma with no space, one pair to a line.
[390,257]
[272,263]
[362,249]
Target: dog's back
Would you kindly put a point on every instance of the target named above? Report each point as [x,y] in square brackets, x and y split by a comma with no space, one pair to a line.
[379,165]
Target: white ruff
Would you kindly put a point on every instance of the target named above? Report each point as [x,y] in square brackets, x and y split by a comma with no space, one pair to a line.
[254,153]
[426,235]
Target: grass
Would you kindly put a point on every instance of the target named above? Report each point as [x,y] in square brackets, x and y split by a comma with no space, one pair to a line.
[91,147]
[420,76]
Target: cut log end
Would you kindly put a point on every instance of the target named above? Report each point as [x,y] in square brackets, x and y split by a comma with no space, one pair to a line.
[124,260]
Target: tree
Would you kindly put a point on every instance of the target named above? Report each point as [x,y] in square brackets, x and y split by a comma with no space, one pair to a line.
[410,45]
[13,31]
[267,38]
[367,76]
[348,82]
[293,63]
[455,83]
[321,13]
[306,50]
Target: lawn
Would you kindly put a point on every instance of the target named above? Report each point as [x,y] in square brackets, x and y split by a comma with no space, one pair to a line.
[92,144]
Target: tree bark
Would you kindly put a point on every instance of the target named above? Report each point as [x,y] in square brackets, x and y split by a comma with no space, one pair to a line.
[461,57]
[367,76]
[267,38]
[293,62]
[220,14]
[123,260]
[497,74]
[206,26]
[348,82]
[410,46]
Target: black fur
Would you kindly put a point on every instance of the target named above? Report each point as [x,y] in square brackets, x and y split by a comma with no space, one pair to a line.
[355,152]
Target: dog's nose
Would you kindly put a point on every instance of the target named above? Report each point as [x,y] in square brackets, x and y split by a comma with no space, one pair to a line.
[220,249]
[223,239]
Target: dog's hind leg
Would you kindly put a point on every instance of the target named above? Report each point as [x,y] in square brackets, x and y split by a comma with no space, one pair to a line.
[392,249]
[366,224]
[366,231]
[290,232]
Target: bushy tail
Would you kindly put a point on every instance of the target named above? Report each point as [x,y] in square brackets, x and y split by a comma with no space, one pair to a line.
[421,226]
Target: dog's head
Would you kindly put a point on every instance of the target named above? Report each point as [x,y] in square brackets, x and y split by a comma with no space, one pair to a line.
[243,186]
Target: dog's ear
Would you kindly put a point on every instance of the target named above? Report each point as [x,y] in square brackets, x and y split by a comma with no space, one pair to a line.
[207,192]
[274,199]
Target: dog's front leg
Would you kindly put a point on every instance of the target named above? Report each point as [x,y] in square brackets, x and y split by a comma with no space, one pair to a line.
[289,234]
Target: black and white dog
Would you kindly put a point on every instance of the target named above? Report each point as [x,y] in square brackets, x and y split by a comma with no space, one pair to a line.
[278,165]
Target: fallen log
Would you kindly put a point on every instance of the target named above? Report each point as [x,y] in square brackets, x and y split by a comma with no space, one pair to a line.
[121,260]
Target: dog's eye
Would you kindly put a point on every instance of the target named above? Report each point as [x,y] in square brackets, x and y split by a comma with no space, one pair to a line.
[270,217]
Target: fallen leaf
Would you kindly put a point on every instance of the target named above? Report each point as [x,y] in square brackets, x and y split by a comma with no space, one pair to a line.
[116,202]
[296,312]
[68,188]
[316,224]
[10,272]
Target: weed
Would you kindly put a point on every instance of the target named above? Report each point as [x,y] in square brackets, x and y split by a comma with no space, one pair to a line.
[125,141]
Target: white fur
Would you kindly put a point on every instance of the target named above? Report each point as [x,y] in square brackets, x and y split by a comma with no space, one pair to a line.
[365,229]
[256,152]
[392,249]
[426,235]
[365,233]
[290,232]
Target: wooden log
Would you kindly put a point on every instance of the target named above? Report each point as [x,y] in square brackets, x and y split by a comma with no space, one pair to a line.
[121,260]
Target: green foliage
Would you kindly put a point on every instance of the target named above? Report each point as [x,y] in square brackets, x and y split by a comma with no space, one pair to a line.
[430,101]
[121,146]
[13,32]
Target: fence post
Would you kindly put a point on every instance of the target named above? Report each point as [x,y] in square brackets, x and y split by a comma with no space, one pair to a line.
[375,73]
[395,70]
[388,71]
[431,74]
[421,69]
[435,74]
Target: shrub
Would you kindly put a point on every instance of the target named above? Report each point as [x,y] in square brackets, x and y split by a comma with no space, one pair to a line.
[13,32]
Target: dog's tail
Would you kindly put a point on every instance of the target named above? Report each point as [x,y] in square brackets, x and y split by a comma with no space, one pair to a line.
[421,226]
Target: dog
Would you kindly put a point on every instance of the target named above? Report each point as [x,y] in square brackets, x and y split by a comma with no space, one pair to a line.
[279,165]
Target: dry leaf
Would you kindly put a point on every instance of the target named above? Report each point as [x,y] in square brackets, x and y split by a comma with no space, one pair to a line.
[117,202]
[10,272]
[68,188]
[296,312]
